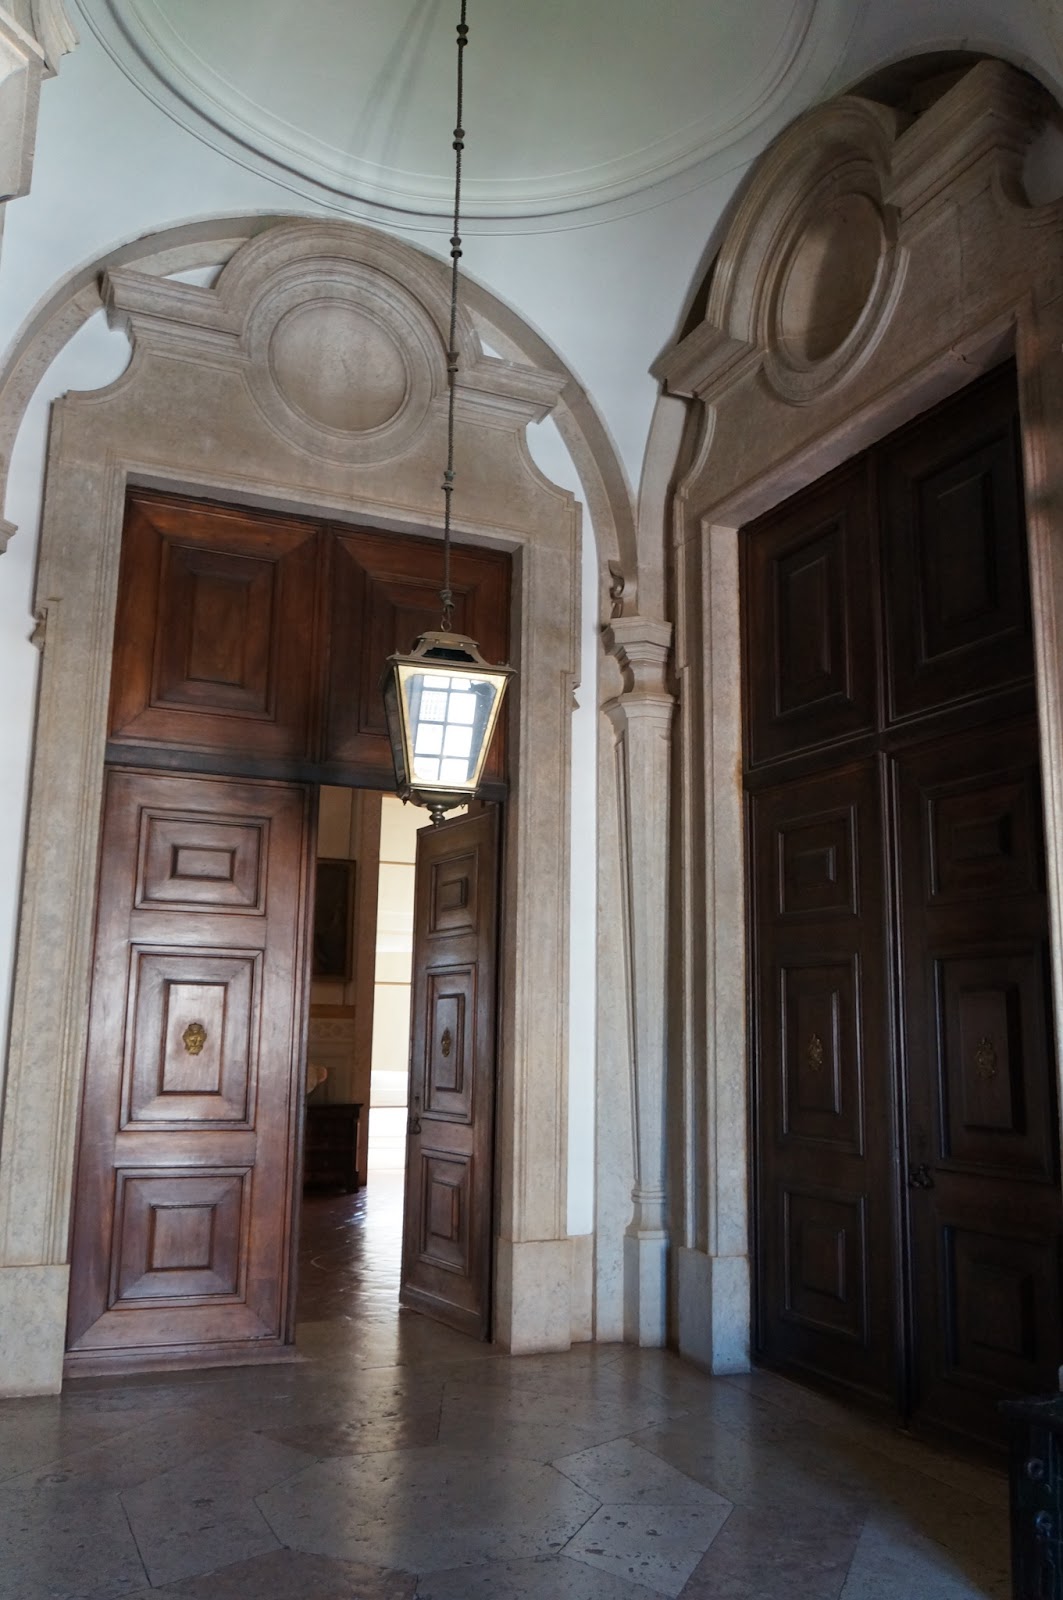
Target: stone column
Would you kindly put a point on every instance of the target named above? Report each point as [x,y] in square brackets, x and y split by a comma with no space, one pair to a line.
[642,718]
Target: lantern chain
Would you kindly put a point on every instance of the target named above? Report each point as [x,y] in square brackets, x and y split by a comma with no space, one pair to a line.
[446,595]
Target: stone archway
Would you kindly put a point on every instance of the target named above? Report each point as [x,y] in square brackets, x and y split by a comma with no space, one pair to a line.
[220,400]
[955,272]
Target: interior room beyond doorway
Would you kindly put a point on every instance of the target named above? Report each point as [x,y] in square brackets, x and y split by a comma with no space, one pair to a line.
[357,1049]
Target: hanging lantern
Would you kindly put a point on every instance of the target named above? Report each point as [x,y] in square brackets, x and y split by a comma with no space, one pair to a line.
[442,703]
[442,700]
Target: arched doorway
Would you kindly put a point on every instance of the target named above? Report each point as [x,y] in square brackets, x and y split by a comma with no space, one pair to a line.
[218,404]
[881,217]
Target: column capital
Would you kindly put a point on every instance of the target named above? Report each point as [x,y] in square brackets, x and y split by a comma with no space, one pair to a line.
[643,648]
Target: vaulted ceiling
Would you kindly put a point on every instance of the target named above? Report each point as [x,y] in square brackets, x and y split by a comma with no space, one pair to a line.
[570,106]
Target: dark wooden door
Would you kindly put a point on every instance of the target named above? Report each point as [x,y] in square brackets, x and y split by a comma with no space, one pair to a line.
[908,1216]
[823,1086]
[980,1157]
[195,1073]
[446,1257]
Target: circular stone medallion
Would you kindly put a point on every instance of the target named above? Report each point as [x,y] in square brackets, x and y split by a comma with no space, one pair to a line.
[338,367]
[830,277]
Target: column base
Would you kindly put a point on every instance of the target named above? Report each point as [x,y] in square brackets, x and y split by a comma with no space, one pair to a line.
[646,1289]
[32,1329]
[533,1295]
[714,1314]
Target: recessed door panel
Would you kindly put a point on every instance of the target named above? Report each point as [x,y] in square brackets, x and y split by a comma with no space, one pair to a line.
[992,1010]
[450,1034]
[826,1265]
[956,588]
[821,1060]
[216,636]
[1000,1299]
[446,1184]
[191,1045]
[179,1237]
[184,862]
[808,615]
[817,865]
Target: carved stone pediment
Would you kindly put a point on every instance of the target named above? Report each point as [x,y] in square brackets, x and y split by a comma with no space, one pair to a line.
[339,336]
[813,268]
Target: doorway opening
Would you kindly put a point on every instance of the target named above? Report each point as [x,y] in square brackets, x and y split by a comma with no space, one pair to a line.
[241,686]
[358,1046]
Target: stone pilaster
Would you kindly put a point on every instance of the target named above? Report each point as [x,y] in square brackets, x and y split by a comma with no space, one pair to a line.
[642,718]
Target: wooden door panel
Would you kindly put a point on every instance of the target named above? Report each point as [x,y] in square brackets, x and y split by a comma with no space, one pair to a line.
[825,1282]
[954,561]
[450,1035]
[996,1107]
[179,1237]
[822,1073]
[816,865]
[215,645]
[217,637]
[385,593]
[446,1263]
[825,1251]
[187,862]
[985,839]
[1001,1303]
[444,1229]
[807,599]
[194,1073]
[983,1160]
[190,1057]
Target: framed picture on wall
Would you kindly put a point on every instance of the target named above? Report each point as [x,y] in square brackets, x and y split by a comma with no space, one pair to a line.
[334,920]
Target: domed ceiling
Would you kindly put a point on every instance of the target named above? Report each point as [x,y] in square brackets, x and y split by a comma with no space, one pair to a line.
[571,105]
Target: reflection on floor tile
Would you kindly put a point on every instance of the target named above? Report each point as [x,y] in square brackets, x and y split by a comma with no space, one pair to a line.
[401,1461]
[556,1578]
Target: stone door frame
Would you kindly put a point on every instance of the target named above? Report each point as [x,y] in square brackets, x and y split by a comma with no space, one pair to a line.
[954,272]
[215,403]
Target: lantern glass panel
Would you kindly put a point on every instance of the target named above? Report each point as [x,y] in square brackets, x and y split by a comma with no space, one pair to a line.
[449,718]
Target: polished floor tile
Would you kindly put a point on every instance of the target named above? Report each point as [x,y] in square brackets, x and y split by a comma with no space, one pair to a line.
[398,1460]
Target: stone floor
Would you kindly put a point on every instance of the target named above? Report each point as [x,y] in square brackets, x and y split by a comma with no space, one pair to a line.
[400,1460]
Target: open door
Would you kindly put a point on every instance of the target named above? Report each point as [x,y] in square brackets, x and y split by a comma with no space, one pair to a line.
[446,1253]
[194,1075]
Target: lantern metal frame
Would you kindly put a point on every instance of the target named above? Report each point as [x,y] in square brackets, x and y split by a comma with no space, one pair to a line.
[440,666]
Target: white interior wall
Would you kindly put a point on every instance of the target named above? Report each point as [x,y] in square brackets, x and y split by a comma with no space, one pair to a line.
[389,1083]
